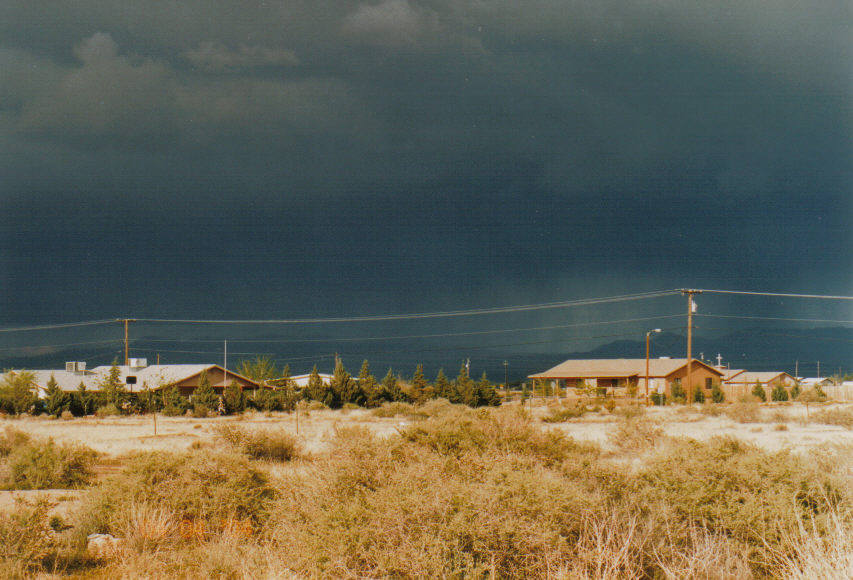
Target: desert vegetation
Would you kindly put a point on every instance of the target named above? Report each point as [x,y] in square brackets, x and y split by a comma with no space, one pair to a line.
[451,491]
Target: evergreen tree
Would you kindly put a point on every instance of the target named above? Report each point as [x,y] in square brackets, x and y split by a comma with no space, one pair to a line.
[699,395]
[55,399]
[758,391]
[464,390]
[344,388]
[317,390]
[85,400]
[442,386]
[486,394]
[113,390]
[173,403]
[204,395]
[421,390]
[391,390]
[795,391]
[233,398]
[17,393]
[369,387]
[261,369]
[148,401]
[778,394]
[678,395]
[717,394]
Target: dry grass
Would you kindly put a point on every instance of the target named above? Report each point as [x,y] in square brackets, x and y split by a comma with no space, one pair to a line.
[28,463]
[275,445]
[841,416]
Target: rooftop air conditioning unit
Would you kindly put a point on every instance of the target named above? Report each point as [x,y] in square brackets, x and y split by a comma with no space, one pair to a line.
[138,363]
[75,367]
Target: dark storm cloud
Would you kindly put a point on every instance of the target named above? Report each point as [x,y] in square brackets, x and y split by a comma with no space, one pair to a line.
[505,151]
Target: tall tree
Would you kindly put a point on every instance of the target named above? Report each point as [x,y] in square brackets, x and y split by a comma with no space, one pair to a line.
[204,395]
[421,389]
[55,399]
[442,385]
[261,369]
[486,393]
[464,390]
[369,387]
[113,390]
[344,388]
[391,387]
[17,392]
[233,398]
[318,390]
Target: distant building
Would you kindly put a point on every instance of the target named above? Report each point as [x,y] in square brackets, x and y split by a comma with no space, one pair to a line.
[742,383]
[301,381]
[139,375]
[616,374]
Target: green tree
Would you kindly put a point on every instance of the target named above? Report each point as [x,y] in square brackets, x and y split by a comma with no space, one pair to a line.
[391,390]
[795,391]
[758,391]
[778,394]
[234,398]
[699,395]
[113,390]
[148,400]
[677,391]
[344,388]
[369,387]
[204,395]
[261,369]
[487,395]
[55,399]
[83,401]
[442,386]
[317,390]
[17,392]
[717,394]
[464,389]
[421,389]
[173,403]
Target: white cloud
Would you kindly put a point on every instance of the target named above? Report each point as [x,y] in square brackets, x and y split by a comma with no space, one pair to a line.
[392,22]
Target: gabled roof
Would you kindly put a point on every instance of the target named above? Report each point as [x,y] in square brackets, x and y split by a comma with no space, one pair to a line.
[155,376]
[729,373]
[618,368]
[750,378]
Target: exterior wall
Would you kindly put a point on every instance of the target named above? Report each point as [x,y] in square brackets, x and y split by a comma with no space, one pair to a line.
[215,376]
[699,375]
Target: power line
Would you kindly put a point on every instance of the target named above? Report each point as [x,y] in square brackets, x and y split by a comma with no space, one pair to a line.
[55,326]
[779,294]
[411,336]
[447,314]
[775,318]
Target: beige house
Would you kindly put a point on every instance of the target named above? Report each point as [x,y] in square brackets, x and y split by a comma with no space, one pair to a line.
[742,383]
[615,376]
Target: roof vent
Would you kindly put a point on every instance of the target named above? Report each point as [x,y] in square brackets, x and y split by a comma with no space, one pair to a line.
[137,363]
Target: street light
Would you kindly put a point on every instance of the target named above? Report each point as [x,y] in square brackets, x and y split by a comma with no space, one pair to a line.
[648,334]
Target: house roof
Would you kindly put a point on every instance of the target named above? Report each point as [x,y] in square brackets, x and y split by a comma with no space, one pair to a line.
[729,373]
[748,377]
[617,368]
[155,376]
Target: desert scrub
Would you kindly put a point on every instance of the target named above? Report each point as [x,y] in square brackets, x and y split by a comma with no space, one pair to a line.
[211,488]
[636,434]
[563,414]
[744,412]
[43,464]
[507,430]
[843,417]
[275,445]
[392,410]
[26,539]
[736,489]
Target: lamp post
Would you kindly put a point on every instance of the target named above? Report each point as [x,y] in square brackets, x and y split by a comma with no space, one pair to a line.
[506,378]
[648,335]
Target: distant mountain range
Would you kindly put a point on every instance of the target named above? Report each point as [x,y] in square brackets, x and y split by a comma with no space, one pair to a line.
[757,349]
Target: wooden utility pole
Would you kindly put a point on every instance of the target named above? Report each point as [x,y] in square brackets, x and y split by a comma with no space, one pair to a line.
[126,322]
[690,306]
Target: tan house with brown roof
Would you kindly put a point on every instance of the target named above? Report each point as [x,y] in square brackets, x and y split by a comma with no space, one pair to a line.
[616,374]
[743,382]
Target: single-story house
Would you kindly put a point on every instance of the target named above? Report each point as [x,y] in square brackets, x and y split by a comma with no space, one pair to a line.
[619,373]
[743,383]
[139,375]
[301,381]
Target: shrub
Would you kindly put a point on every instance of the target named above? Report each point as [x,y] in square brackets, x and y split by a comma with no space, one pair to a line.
[717,394]
[699,395]
[713,410]
[744,412]
[795,391]
[636,434]
[263,444]
[678,394]
[842,417]
[26,539]
[200,411]
[66,415]
[561,415]
[43,464]
[778,394]
[758,391]
[108,410]
[658,399]
[10,439]
[202,488]
[393,409]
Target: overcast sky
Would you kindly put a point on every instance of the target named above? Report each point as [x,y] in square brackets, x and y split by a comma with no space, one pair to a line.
[264,159]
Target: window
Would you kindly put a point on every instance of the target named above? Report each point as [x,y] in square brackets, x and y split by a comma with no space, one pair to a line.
[708,383]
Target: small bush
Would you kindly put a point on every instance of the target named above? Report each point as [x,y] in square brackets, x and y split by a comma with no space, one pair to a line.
[631,411]
[758,391]
[744,412]
[699,395]
[26,539]
[43,464]
[778,394]
[66,415]
[200,411]
[392,410]
[262,444]
[717,394]
[780,427]
[713,410]
[561,415]
[636,435]
[10,439]
[610,405]
[658,399]
[108,410]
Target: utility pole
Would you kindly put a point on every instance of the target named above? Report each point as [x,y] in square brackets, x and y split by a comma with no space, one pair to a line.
[126,322]
[691,306]
[818,369]
[797,369]
[506,378]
